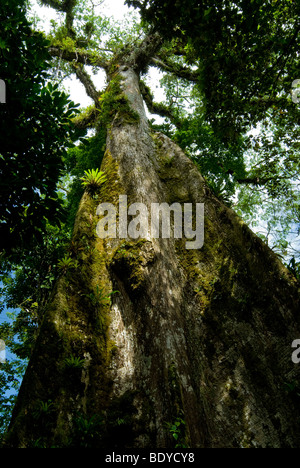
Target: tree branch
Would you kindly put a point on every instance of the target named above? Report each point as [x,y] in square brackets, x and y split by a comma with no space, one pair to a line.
[157,108]
[67,6]
[139,57]
[251,181]
[87,119]
[79,56]
[260,181]
[175,68]
[87,82]
[58,5]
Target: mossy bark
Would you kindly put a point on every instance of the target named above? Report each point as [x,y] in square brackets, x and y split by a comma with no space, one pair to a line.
[202,336]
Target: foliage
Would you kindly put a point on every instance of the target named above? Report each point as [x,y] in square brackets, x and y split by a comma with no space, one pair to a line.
[227,69]
[84,157]
[26,288]
[42,409]
[92,31]
[177,429]
[268,196]
[99,296]
[74,362]
[240,60]
[11,374]
[87,431]
[66,264]
[93,180]
[246,53]
[294,268]
[36,129]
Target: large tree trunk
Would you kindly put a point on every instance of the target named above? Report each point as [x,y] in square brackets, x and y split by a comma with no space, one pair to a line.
[196,335]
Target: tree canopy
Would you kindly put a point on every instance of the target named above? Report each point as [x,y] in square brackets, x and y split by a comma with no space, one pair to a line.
[244,54]
[36,130]
[243,58]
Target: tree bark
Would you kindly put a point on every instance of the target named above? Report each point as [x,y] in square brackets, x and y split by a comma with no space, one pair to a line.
[199,337]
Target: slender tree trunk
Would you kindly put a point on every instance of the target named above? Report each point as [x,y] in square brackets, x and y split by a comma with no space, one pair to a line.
[197,337]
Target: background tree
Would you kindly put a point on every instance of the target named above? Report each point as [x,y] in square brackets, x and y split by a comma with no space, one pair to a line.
[36,130]
[146,343]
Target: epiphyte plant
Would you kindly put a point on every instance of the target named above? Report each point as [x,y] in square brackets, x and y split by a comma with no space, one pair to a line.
[67,263]
[92,180]
[99,297]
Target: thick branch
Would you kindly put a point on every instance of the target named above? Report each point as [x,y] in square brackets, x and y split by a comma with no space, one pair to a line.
[87,82]
[56,4]
[251,181]
[178,70]
[157,108]
[65,6]
[259,181]
[79,56]
[140,56]
[87,119]
[69,24]
[60,5]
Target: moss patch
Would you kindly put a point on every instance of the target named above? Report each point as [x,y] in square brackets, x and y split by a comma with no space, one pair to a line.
[114,105]
[129,262]
[79,317]
[111,189]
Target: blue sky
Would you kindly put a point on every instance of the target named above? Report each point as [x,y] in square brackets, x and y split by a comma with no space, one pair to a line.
[5,318]
[6,354]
